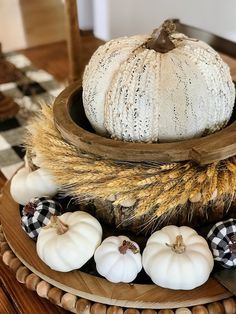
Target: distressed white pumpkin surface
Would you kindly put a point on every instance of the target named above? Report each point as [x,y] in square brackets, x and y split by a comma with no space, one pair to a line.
[75,247]
[136,94]
[173,270]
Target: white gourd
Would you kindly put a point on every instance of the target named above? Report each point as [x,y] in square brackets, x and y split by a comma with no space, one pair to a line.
[27,184]
[137,94]
[69,241]
[118,259]
[177,258]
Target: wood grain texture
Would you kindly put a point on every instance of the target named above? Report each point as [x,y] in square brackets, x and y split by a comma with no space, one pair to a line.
[218,43]
[43,21]
[6,306]
[204,150]
[73,40]
[24,300]
[2,182]
[8,107]
[95,288]
[53,58]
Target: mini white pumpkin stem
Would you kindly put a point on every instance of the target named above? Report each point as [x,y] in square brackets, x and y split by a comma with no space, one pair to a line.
[232,246]
[160,40]
[127,245]
[178,247]
[60,226]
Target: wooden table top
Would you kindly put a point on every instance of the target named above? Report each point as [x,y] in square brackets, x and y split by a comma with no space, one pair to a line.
[15,297]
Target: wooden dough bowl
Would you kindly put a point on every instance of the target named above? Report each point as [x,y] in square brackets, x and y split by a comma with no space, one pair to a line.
[74,127]
[78,289]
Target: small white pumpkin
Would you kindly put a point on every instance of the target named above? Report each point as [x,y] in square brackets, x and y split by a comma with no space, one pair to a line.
[162,87]
[118,259]
[177,258]
[68,242]
[27,184]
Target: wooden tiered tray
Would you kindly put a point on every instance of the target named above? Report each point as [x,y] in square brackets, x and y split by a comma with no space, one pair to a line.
[75,285]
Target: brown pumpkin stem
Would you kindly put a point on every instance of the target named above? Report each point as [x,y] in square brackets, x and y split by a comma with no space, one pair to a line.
[178,247]
[127,245]
[160,40]
[30,209]
[60,226]
[232,246]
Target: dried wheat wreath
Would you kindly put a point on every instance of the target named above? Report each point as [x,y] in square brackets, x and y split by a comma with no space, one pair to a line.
[159,191]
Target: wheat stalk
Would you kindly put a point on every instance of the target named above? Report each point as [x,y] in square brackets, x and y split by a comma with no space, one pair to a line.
[159,189]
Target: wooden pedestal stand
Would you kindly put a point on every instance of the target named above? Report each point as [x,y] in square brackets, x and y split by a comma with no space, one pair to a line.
[80,292]
[8,108]
[8,73]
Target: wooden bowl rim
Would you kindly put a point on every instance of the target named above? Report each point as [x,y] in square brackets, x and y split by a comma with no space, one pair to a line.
[215,147]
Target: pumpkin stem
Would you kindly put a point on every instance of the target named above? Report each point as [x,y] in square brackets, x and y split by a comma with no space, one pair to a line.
[178,247]
[127,245]
[160,40]
[60,226]
[232,246]
[30,208]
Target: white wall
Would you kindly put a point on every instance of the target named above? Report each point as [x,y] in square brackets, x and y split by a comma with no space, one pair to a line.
[12,35]
[85,14]
[114,18]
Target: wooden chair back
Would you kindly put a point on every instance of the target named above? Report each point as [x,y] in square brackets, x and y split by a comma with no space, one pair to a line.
[73,40]
[218,43]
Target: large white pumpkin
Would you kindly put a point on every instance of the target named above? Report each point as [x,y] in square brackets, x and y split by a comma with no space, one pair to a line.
[134,90]
[177,258]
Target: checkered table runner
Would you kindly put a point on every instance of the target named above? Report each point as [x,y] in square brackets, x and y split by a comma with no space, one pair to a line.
[34,88]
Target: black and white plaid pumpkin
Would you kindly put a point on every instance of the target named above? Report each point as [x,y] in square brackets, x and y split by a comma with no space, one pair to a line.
[37,213]
[222,238]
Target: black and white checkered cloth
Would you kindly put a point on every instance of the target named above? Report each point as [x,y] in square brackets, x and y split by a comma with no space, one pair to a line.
[42,210]
[221,238]
[35,87]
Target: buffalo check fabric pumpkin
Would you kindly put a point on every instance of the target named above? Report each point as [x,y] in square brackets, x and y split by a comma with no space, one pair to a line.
[222,238]
[34,87]
[37,213]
